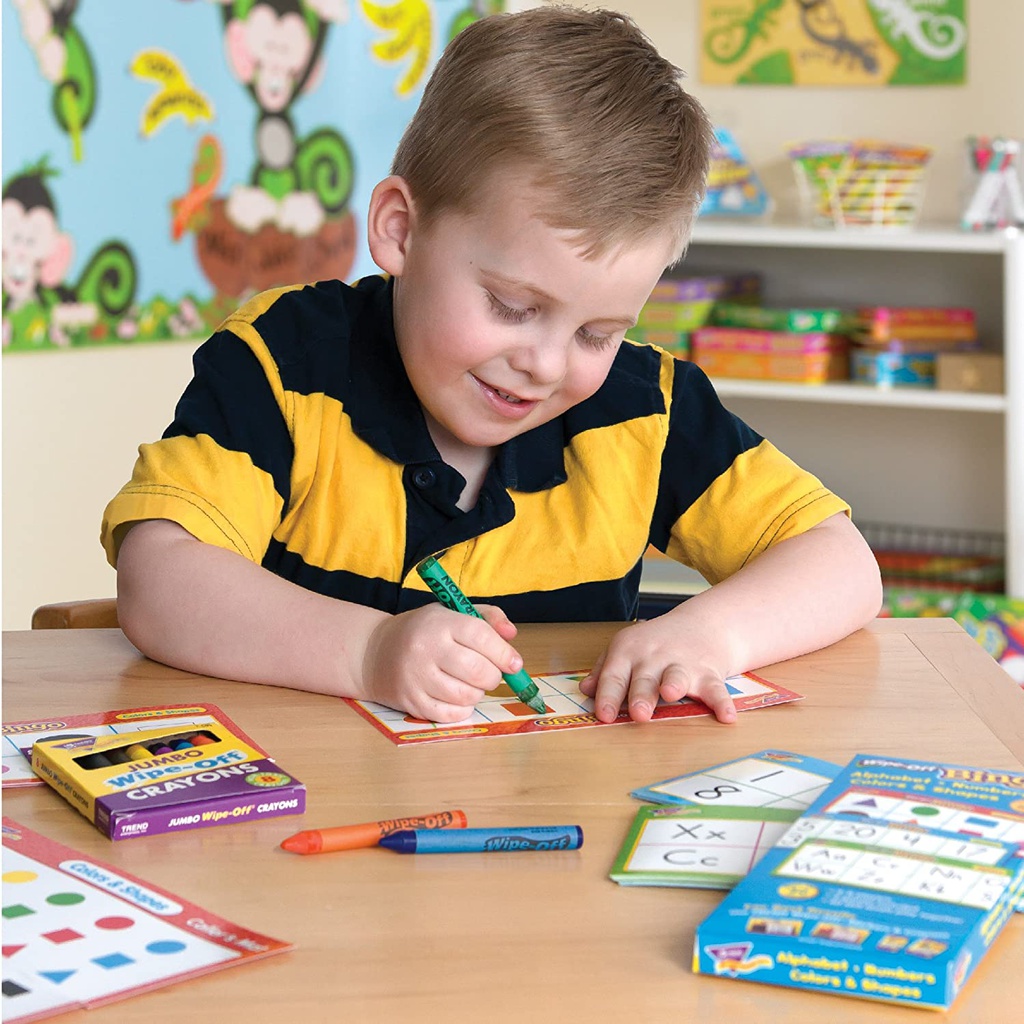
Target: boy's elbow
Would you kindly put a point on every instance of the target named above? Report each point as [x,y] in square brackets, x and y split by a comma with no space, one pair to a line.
[135,617]
[869,591]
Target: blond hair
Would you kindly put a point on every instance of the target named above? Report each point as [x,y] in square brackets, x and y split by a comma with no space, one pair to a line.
[581,101]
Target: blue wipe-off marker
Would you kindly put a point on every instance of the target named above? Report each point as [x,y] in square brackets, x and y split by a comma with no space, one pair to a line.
[485,840]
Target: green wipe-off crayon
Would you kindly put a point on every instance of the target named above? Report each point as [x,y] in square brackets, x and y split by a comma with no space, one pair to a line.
[446,590]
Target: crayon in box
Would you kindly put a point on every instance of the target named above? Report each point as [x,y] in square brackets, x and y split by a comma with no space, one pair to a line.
[861,897]
[166,780]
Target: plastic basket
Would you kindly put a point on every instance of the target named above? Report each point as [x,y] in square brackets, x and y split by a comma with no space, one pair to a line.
[864,198]
[861,185]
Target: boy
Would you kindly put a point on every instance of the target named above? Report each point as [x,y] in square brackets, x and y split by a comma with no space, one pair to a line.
[480,402]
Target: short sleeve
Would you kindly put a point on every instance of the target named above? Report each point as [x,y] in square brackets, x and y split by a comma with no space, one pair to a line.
[222,468]
[725,493]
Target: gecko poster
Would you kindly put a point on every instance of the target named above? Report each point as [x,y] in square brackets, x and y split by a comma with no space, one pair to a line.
[164,160]
[833,42]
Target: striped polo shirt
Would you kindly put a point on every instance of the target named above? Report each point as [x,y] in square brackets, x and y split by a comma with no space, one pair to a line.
[300,444]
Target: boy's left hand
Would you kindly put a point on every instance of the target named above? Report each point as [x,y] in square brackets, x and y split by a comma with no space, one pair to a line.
[656,659]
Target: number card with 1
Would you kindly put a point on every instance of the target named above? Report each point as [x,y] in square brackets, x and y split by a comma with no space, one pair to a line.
[769,778]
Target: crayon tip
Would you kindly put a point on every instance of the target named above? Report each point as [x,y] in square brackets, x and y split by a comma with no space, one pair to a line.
[536,702]
[302,842]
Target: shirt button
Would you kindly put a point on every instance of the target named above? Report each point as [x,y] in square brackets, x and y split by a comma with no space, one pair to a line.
[422,477]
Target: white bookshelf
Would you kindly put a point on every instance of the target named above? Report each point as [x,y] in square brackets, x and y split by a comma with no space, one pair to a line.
[935,459]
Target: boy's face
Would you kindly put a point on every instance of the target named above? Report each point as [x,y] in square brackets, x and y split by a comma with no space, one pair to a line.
[501,323]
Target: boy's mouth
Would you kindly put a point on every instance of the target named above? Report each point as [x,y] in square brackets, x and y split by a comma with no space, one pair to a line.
[505,401]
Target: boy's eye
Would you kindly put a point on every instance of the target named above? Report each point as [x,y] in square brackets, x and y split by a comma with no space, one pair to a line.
[588,337]
[511,313]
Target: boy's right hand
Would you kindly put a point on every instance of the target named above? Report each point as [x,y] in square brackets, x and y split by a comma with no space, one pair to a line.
[437,664]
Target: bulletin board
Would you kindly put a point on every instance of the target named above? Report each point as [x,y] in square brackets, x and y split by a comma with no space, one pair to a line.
[833,42]
[164,160]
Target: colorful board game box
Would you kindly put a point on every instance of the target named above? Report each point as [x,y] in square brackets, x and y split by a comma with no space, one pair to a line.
[79,933]
[697,847]
[166,780]
[501,713]
[733,187]
[997,623]
[891,887]
[830,321]
[18,737]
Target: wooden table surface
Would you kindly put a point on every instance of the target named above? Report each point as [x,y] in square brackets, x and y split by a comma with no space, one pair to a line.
[505,937]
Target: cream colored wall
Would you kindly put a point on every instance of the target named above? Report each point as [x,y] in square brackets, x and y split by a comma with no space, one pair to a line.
[71,424]
[72,420]
[766,118]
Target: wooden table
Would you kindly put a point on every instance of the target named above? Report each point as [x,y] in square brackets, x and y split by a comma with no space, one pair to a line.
[385,937]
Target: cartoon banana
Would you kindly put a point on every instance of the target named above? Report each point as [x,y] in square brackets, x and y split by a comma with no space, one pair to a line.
[176,95]
[412,32]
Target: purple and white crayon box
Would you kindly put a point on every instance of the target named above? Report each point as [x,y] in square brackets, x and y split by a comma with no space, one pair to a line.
[167,780]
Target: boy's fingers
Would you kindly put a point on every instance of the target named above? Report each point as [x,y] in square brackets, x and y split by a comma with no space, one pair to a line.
[485,640]
[588,684]
[610,692]
[716,696]
[643,697]
[498,620]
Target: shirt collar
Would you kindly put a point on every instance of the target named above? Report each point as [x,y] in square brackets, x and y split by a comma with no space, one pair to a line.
[386,414]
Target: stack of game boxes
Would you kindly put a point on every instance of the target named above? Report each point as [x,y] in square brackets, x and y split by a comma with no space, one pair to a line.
[903,346]
[807,346]
[678,306]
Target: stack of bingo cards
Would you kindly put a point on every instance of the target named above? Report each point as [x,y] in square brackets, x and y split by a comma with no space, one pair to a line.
[892,886]
[898,346]
[804,346]
[678,306]
[166,779]
[715,824]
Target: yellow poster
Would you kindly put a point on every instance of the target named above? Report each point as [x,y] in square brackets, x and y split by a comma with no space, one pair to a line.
[833,42]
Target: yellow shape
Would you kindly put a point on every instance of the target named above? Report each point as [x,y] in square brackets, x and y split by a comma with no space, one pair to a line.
[177,95]
[411,28]
[14,877]
[798,891]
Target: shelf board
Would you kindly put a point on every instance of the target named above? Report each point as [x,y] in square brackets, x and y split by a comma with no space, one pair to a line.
[860,394]
[926,238]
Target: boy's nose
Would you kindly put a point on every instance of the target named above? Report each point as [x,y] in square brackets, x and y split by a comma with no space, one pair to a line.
[543,360]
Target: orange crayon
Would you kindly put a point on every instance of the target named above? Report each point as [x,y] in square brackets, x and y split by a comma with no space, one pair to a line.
[355,837]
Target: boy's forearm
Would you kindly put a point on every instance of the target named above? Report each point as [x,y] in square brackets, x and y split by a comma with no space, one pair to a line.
[207,610]
[798,596]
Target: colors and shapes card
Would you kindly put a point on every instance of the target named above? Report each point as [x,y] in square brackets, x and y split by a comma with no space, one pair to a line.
[500,713]
[18,737]
[697,847]
[769,778]
[79,933]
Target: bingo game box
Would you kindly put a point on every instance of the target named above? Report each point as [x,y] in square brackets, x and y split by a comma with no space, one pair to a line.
[166,779]
[892,886]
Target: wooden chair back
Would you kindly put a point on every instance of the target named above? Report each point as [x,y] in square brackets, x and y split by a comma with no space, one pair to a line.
[100,613]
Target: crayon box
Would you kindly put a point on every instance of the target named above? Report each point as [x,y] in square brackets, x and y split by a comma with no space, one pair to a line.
[166,779]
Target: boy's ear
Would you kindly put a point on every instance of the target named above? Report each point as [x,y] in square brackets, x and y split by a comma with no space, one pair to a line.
[388,224]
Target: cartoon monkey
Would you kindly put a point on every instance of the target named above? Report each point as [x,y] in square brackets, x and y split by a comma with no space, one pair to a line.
[37,255]
[63,60]
[274,48]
